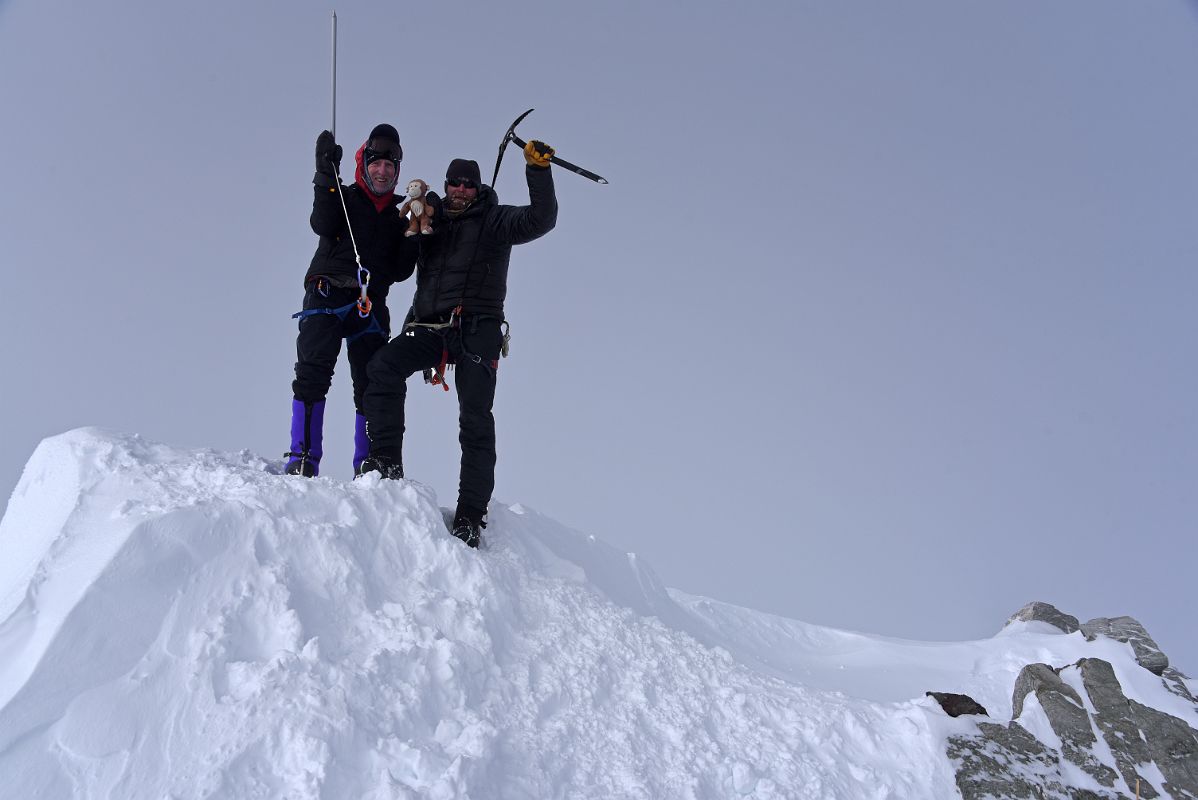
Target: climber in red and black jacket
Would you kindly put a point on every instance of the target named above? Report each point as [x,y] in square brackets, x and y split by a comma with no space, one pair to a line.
[341,301]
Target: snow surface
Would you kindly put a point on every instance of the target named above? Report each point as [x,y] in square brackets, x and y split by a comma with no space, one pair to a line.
[183,624]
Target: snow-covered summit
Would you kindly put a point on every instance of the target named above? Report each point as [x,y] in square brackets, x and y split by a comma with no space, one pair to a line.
[193,625]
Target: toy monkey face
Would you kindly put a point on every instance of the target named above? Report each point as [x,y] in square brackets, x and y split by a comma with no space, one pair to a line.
[416,188]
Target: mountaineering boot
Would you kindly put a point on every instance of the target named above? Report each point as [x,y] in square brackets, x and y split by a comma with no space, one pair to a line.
[468,526]
[361,443]
[307,438]
[384,466]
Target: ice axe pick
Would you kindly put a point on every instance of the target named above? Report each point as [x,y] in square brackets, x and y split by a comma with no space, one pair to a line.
[511,136]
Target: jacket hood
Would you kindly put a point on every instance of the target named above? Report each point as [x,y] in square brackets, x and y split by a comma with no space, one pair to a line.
[380,201]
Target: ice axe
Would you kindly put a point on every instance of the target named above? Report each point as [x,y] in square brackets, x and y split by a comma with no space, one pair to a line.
[511,136]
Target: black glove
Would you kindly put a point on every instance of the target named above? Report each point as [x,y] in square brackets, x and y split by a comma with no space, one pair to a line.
[434,202]
[328,154]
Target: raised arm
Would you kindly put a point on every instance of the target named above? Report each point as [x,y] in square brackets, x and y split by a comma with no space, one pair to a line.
[520,224]
[328,218]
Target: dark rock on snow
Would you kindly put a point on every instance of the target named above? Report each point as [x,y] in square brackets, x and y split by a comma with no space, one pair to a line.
[956,705]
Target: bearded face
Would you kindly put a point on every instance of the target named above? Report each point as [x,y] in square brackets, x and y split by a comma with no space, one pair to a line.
[459,195]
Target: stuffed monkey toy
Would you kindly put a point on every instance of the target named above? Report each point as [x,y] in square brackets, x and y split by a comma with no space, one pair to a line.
[417,209]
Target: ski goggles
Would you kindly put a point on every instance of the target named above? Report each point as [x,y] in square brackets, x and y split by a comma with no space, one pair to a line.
[464,183]
[382,148]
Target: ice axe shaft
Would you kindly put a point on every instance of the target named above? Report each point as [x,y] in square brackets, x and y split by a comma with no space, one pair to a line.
[561,162]
[510,136]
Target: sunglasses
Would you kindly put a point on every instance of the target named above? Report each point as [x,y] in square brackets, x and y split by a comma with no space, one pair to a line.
[464,183]
[382,148]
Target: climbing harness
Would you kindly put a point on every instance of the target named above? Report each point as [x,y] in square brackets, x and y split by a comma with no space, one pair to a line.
[341,313]
[436,375]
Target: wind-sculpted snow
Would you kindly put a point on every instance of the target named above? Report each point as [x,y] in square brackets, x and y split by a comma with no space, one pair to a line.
[193,625]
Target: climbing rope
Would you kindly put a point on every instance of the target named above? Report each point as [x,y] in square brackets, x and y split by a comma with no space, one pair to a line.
[363,273]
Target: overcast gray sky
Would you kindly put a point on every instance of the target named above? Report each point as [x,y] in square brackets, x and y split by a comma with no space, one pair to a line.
[886,320]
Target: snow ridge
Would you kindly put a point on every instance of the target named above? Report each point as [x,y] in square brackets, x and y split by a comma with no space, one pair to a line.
[191,624]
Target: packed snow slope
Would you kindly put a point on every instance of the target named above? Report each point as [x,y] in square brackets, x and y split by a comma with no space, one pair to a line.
[181,624]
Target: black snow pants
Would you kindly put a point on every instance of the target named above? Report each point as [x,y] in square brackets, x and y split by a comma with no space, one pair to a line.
[319,342]
[474,350]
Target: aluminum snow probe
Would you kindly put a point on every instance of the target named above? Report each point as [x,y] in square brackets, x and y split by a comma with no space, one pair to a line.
[363,303]
[511,136]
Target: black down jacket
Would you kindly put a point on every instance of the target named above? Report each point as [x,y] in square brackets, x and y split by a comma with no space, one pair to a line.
[465,260]
[379,234]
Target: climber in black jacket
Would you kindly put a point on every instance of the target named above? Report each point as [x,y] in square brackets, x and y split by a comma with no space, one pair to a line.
[457,318]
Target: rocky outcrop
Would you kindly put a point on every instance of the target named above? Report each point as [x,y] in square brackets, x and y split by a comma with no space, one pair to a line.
[1126,629]
[1176,683]
[1094,742]
[1148,654]
[1045,612]
[1067,716]
[1139,736]
[1005,761]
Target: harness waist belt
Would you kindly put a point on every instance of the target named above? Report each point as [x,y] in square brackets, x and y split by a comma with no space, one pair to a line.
[436,319]
[338,281]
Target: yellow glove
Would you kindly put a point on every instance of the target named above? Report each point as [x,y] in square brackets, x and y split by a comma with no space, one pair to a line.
[538,153]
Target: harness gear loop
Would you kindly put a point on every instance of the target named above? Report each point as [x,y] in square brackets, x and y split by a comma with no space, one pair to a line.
[454,321]
[438,374]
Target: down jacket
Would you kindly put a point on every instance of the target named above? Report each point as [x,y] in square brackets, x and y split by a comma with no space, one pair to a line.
[379,235]
[465,260]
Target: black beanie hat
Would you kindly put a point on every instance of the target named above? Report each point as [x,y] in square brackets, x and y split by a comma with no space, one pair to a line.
[380,134]
[463,168]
